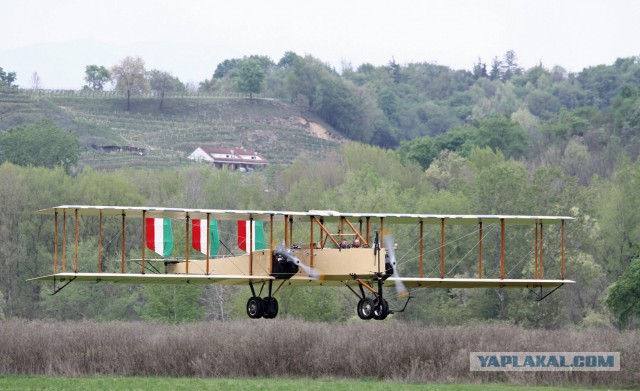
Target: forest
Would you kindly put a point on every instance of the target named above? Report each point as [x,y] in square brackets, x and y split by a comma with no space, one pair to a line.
[422,138]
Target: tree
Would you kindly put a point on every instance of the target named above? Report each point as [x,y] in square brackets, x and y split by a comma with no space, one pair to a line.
[35,81]
[388,102]
[7,79]
[96,77]
[444,169]
[225,67]
[618,211]
[496,69]
[250,77]
[479,69]
[208,85]
[542,104]
[41,144]
[172,303]
[162,82]
[510,66]
[500,133]
[288,60]
[130,77]
[394,70]
[423,150]
[623,295]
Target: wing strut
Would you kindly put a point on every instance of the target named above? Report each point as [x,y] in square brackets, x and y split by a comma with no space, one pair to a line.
[56,290]
[541,297]
[364,284]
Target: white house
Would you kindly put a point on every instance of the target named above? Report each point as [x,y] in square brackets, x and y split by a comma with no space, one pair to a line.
[233,159]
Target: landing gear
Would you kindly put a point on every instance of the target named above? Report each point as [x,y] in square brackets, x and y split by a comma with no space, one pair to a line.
[365,308]
[375,307]
[255,308]
[380,309]
[258,307]
[270,306]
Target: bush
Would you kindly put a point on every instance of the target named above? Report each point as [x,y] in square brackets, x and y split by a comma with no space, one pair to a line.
[289,348]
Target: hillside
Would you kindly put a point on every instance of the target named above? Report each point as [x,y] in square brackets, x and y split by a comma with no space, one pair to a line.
[280,131]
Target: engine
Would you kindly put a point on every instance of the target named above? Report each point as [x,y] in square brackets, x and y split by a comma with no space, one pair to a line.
[284,264]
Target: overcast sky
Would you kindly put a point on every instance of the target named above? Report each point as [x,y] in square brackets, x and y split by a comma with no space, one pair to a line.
[189,38]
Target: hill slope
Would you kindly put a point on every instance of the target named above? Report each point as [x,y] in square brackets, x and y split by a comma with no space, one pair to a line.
[277,130]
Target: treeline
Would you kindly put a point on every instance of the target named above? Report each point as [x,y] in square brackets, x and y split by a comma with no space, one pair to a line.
[601,244]
[545,110]
[548,112]
[579,121]
[582,122]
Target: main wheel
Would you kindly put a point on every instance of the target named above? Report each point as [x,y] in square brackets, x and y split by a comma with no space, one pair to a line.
[255,309]
[270,305]
[380,309]
[365,308]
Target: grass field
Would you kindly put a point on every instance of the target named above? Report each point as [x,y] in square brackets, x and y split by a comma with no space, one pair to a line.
[161,383]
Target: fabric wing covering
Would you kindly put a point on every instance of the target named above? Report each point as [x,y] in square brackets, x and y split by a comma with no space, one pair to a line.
[244,235]
[199,236]
[159,236]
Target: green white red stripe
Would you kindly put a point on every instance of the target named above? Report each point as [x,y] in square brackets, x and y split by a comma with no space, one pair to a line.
[159,236]
[244,238]
[199,236]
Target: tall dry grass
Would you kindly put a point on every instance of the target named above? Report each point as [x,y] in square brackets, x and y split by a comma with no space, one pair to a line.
[291,348]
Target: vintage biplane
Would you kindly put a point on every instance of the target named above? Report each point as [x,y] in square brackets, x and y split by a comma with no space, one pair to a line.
[319,255]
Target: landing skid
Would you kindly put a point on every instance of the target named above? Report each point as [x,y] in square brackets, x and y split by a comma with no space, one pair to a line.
[403,308]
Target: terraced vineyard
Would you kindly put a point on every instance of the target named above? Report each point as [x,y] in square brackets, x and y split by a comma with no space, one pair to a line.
[277,130]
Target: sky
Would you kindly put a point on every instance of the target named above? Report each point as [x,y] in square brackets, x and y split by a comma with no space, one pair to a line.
[189,38]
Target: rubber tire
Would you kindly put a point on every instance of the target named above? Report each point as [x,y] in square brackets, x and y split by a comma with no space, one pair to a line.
[255,307]
[365,308]
[270,305]
[380,309]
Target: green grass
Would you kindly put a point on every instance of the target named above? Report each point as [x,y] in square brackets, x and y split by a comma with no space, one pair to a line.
[25,383]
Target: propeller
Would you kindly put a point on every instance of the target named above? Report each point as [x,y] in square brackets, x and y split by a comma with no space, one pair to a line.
[287,253]
[389,245]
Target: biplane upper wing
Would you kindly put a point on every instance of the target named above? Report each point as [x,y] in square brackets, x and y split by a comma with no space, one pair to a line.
[325,215]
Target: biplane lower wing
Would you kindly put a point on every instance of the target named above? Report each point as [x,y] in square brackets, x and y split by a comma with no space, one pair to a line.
[410,282]
[137,278]
[226,279]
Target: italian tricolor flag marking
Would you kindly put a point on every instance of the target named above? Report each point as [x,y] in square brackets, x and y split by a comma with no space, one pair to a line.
[199,236]
[258,242]
[159,236]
